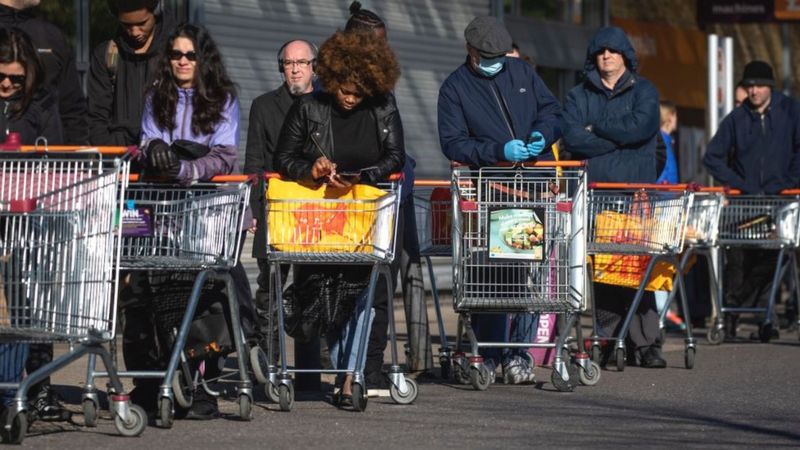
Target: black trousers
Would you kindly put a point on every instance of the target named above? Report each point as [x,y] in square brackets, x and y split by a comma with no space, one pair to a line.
[611,306]
[748,275]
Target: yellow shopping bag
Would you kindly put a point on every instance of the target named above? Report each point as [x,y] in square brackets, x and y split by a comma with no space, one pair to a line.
[301,218]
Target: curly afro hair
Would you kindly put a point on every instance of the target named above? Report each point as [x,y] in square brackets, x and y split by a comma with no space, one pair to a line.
[357,57]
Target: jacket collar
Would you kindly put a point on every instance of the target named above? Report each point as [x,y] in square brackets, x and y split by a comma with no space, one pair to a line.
[382,106]
[625,82]
[16,15]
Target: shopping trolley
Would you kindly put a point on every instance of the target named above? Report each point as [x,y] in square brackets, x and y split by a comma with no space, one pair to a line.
[184,229]
[519,246]
[434,214]
[335,231]
[635,231]
[58,267]
[769,222]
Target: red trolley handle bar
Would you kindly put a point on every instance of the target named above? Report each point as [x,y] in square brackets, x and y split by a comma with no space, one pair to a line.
[432,183]
[665,187]
[234,178]
[103,149]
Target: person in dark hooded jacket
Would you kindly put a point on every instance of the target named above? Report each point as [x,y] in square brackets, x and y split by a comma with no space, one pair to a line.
[756,150]
[122,69]
[612,119]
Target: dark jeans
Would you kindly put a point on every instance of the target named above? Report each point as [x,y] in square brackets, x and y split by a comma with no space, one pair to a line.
[748,274]
[611,306]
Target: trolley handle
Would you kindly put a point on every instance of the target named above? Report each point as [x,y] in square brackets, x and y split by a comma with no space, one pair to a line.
[457,165]
[276,176]
[432,183]
[693,187]
[103,150]
[233,178]
[790,192]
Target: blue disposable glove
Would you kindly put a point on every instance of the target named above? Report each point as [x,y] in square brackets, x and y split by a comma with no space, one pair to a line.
[515,151]
[535,144]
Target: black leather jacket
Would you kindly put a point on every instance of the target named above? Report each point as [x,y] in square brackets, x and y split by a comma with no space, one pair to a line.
[308,124]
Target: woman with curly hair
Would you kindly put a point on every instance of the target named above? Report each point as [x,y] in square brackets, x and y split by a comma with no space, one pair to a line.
[350,125]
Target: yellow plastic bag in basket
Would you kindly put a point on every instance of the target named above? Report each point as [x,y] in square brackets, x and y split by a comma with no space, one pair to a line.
[627,270]
[322,219]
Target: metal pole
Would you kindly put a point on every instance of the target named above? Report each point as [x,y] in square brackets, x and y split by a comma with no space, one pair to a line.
[727,44]
[713,86]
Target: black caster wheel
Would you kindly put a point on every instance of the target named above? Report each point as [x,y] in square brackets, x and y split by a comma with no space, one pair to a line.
[359,397]
[620,354]
[89,412]
[559,383]
[715,335]
[286,397]
[245,407]
[596,354]
[446,367]
[688,357]
[166,415]
[271,391]
[408,397]
[19,426]
[136,423]
[479,377]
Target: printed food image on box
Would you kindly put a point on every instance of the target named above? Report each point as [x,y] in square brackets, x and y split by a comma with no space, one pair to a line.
[517,234]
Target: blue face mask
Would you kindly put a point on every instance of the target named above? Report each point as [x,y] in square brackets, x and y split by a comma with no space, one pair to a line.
[491,66]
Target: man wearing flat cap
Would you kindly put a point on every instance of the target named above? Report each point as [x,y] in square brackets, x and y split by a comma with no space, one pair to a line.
[494,109]
[756,150]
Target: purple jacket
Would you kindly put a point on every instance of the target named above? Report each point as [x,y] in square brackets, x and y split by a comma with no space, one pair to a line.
[223,142]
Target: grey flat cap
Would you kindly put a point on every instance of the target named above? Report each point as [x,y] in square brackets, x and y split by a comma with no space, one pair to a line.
[489,36]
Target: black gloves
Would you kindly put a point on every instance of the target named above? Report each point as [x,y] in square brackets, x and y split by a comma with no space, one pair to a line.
[163,159]
[189,150]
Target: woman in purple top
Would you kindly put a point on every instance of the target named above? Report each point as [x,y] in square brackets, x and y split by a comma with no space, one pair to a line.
[193,104]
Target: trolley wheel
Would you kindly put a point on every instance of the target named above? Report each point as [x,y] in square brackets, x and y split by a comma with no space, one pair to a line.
[560,384]
[715,335]
[590,376]
[620,359]
[765,333]
[271,391]
[181,391]
[596,354]
[286,397]
[137,421]
[688,357]
[19,426]
[461,371]
[89,412]
[446,367]
[258,361]
[479,377]
[408,397]
[245,407]
[359,397]
[166,416]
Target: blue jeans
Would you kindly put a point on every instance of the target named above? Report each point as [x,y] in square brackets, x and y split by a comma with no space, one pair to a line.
[343,344]
[12,365]
[492,328]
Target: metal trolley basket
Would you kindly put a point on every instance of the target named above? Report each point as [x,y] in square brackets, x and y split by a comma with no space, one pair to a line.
[433,212]
[768,222]
[632,229]
[519,246]
[191,229]
[366,231]
[58,267]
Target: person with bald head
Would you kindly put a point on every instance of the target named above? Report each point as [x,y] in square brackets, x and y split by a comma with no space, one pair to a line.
[297,60]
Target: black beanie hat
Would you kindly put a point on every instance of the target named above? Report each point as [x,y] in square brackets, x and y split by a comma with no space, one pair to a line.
[758,73]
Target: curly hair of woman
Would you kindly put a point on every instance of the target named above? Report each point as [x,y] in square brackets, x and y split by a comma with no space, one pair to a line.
[213,88]
[357,57]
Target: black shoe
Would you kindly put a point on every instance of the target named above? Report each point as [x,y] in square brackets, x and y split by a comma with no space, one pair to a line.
[651,358]
[204,406]
[765,334]
[377,384]
[729,326]
[46,406]
[145,394]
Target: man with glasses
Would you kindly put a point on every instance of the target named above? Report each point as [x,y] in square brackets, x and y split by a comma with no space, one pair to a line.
[296,62]
[121,69]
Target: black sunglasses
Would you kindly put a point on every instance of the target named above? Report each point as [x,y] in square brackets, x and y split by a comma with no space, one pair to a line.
[176,55]
[15,79]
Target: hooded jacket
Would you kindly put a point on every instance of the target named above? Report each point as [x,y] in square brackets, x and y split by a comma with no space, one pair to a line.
[615,129]
[308,124]
[116,94]
[61,74]
[758,154]
[473,126]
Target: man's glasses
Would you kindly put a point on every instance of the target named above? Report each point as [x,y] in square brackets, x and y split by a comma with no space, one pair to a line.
[176,55]
[302,63]
[15,79]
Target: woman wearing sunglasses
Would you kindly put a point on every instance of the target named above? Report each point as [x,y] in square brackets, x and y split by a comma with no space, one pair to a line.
[190,133]
[28,107]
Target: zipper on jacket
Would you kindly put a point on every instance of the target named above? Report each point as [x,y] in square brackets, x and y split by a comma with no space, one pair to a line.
[183,120]
[503,111]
